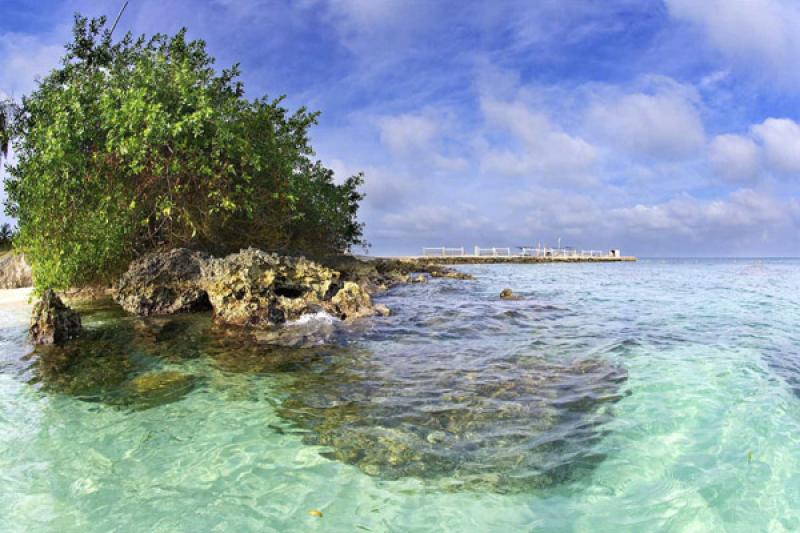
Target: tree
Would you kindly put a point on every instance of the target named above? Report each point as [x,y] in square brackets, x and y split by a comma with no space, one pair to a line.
[140,144]
[6,233]
[4,128]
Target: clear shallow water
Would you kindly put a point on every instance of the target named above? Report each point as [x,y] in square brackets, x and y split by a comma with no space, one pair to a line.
[656,396]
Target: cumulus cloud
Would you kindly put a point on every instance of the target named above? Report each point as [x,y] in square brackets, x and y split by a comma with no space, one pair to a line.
[742,210]
[781,140]
[735,158]
[663,124]
[770,148]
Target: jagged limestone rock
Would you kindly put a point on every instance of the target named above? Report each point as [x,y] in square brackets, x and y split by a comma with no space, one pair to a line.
[255,288]
[260,289]
[352,301]
[53,322]
[250,288]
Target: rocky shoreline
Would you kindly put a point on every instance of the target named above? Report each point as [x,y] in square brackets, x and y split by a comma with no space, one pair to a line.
[252,289]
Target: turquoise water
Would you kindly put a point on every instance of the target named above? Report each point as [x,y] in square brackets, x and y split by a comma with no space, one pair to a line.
[656,396]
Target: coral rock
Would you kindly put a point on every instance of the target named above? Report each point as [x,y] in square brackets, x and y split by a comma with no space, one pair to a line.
[352,302]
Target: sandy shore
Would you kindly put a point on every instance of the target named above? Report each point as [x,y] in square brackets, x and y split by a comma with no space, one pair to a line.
[10,298]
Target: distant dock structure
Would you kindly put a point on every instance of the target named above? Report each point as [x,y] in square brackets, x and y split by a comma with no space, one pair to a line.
[519,254]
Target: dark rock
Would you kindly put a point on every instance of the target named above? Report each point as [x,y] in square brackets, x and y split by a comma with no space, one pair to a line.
[164,283]
[52,321]
[14,272]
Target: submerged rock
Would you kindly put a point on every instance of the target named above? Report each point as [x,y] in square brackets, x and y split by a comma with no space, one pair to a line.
[164,283]
[53,322]
[503,428]
[112,362]
[152,389]
[15,273]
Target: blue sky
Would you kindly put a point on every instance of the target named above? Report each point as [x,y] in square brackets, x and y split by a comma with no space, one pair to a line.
[663,127]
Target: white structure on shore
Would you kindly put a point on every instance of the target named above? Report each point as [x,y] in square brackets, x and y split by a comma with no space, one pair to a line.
[519,251]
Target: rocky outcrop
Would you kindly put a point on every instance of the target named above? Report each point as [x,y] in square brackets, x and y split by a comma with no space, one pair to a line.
[259,289]
[250,288]
[255,288]
[53,322]
[14,272]
[164,283]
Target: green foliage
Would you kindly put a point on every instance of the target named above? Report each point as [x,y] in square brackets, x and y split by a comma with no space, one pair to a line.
[140,144]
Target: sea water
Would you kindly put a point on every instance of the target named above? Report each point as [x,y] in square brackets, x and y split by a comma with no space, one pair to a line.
[662,395]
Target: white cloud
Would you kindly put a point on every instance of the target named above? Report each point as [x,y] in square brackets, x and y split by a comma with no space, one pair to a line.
[781,140]
[378,28]
[23,59]
[761,34]
[544,151]
[744,210]
[735,158]
[418,139]
[663,124]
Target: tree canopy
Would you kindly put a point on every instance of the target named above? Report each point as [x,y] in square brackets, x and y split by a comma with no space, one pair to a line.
[141,144]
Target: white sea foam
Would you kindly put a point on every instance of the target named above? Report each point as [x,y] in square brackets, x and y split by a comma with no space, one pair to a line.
[320,317]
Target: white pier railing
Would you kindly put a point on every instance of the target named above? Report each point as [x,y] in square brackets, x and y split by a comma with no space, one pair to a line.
[443,252]
[492,252]
[539,251]
[561,252]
